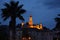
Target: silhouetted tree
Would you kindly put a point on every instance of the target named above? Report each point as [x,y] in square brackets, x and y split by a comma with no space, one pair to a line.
[3,33]
[13,10]
[0,23]
[57,19]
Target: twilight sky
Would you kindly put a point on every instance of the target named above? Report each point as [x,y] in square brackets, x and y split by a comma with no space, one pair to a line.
[42,11]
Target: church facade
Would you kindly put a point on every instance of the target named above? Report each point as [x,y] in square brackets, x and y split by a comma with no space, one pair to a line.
[37,31]
[31,31]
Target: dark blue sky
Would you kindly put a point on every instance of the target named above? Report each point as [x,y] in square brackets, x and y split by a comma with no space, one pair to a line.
[42,11]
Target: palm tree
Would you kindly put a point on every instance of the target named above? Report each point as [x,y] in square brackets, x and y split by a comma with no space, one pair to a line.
[13,10]
[0,23]
[57,28]
[57,19]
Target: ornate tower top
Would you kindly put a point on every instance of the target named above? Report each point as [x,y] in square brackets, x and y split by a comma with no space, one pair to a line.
[31,21]
[30,15]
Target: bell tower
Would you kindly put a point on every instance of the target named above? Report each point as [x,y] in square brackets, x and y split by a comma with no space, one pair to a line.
[31,22]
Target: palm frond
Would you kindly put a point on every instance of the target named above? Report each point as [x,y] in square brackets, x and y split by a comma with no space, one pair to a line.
[5,12]
[12,3]
[19,7]
[22,11]
[21,17]
[57,19]
[5,18]
[7,5]
[58,14]
[13,9]
[17,3]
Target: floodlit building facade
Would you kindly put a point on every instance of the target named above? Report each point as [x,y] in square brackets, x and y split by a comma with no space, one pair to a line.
[35,31]
[31,31]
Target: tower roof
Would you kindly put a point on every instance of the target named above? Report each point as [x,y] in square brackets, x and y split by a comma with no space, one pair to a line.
[30,15]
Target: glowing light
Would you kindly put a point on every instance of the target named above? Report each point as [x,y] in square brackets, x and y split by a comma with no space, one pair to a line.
[29,38]
[23,38]
[34,27]
[30,21]
[41,27]
[31,26]
[22,24]
[37,26]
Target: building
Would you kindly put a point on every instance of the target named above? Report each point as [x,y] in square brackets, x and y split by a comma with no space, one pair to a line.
[31,31]
[34,31]
[56,33]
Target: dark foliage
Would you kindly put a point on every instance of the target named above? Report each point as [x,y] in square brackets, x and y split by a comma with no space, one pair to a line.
[13,10]
[57,19]
[3,33]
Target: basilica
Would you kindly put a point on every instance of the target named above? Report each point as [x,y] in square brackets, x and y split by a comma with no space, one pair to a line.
[31,31]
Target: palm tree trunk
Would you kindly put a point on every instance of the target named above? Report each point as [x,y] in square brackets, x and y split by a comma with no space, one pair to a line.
[13,19]
[10,30]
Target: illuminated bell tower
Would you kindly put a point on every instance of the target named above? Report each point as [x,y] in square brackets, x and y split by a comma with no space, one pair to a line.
[30,22]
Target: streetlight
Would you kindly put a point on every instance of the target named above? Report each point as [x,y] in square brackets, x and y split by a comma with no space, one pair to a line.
[29,38]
